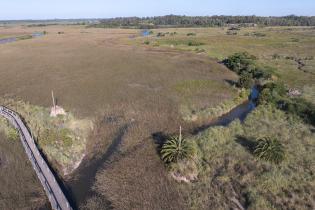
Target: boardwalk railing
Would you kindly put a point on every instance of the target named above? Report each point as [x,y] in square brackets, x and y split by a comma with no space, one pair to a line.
[56,197]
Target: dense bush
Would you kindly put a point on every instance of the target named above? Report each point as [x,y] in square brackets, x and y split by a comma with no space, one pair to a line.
[175,149]
[245,63]
[272,93]
[240,62]
[276,94]
[264,72]
[269,149]
[266,97]
[299,107]
[245,81]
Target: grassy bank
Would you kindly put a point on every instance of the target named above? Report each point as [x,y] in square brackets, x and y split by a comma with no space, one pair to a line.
[211,113]
[229,174]
[61,139]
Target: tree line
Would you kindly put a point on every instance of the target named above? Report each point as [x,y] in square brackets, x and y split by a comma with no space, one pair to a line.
[204,21]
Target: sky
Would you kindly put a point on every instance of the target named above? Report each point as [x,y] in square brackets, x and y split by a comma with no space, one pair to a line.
[64,9]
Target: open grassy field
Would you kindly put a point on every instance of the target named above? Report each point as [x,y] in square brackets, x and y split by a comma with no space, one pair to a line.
[278,47]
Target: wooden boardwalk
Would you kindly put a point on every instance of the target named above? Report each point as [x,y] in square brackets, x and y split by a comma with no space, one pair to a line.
[56,197]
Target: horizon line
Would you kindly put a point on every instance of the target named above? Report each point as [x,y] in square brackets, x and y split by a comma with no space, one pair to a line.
[102,18]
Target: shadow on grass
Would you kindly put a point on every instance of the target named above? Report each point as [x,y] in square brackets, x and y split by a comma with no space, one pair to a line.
[159,139]
[81,189]
[247,143]
[230,82]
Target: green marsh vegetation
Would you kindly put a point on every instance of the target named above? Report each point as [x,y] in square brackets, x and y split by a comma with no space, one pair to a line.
[24,37]
[288,50]
[232,164]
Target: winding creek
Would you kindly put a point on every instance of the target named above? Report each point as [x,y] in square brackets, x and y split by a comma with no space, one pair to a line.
[14,39]
[80,189]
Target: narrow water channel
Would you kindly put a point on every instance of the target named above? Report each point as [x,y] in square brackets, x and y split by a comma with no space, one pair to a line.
[239,112]
[14,39]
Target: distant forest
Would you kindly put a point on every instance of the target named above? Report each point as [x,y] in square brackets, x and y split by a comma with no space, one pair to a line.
[203,21]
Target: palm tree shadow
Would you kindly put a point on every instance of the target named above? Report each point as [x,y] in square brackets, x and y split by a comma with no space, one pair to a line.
[248,143]
[159,139]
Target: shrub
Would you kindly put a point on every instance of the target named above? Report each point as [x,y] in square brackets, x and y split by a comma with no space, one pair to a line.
[198,50]
[269,149]
[194,43]
[12,134]
[147,42]
[276,94]
[276,56]
[272,93]
[258,34]
[245,81]
[191,34]
[301,108]
[262,72]
[239,62]
[277,88]
[231,33]
[160,34]
[265,97]
[175,149]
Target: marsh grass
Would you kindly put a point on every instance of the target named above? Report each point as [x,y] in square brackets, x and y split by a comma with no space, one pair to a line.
[20,187]
[24,37]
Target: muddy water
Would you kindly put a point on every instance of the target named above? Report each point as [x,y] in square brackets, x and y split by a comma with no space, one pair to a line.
[79,190]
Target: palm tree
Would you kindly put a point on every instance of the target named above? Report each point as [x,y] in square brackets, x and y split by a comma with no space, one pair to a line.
[175,149]
[269,149]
